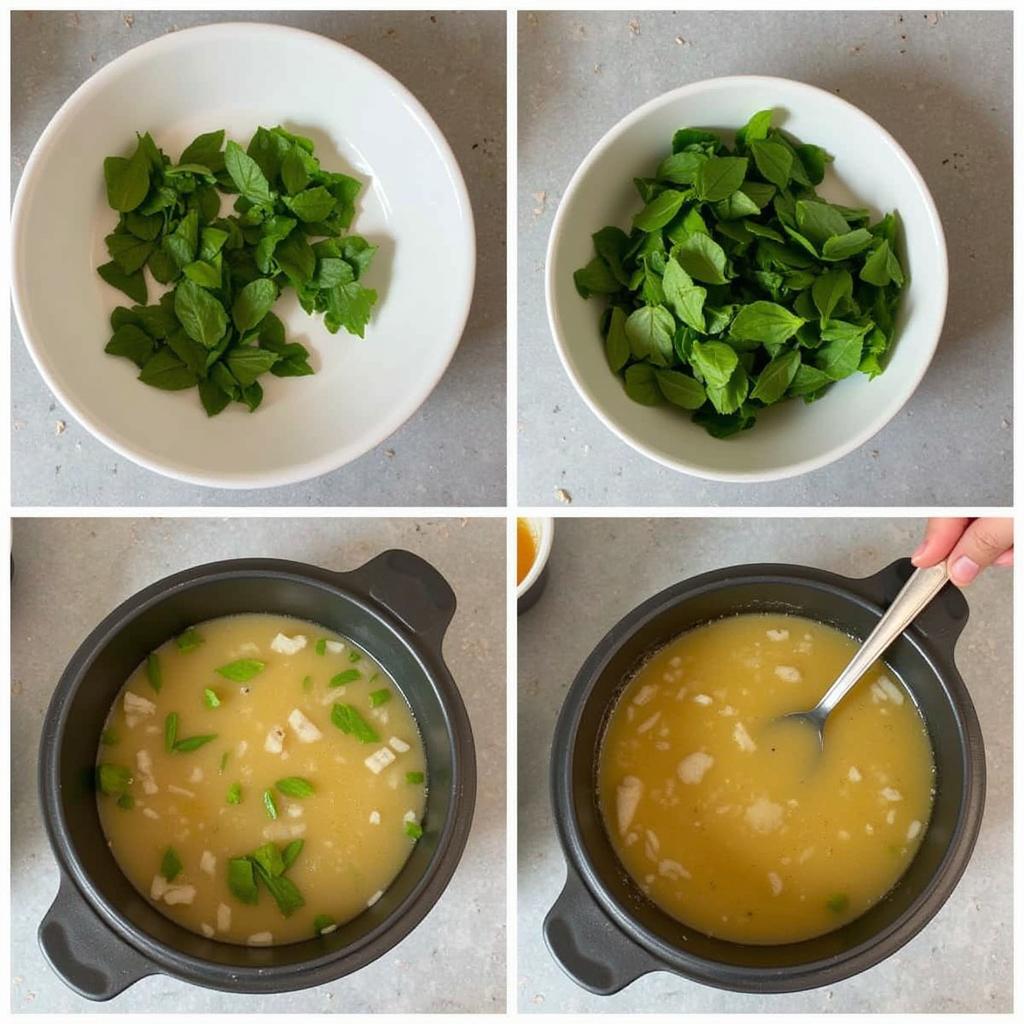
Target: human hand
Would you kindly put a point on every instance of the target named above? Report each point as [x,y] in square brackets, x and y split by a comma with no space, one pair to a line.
[967,545]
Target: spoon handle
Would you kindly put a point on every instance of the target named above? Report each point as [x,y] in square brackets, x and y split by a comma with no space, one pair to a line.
[922,586]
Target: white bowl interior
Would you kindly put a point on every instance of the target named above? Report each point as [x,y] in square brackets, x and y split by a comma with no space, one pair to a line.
[870,170]
[414,206]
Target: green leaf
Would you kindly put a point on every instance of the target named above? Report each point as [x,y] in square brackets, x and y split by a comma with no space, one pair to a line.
[730,397]
[253,303]
[241,671]
[348,306]
[414,830]
[153,671]
[206,150]
[680,389]
[128,252]
[131,342]
[214,398]
[170,864]
[684,297]
[379,697]
[351,722]
[350,675]
[234,797]
[680,168]
[294,786]
[242,880]
[210,698]
[819,221]
[294,175]
[270,804]
[247,363]
[715,361]
[773,381]
[596,278]
[267,858]
[164,370]
[616,343]
[191,743]
[112,779]
[829,290]
[127,180]
[840,357]
[882,267]
[649,331]
[323,924]
[843,247]
[201,315]
[133,285]
[641,385]
[766,322]
[291,852]
[702,258]
[170,731]
[314,204]
[755,129]
[246,175]
[774,161]
[719,176]
[807,381]
[659,211]
[414,778]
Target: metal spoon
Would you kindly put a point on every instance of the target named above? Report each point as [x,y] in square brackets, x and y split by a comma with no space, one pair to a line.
[922,586]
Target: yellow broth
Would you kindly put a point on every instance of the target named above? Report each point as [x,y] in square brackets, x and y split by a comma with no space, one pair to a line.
[298,811]
[736,825]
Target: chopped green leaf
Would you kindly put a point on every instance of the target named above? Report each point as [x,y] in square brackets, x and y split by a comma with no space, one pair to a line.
[242,671]
[270,804]
[414,778]
[350,675]
[170,866]
[153,673]
[113,779]
[295,786]
[170,731]
[186,746]
[234,796]
[210,698]
[189,640]
[378,697]
[349,721]
[413,829]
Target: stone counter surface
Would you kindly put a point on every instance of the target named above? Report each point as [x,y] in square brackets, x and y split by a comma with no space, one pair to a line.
[600,569]
[70,572]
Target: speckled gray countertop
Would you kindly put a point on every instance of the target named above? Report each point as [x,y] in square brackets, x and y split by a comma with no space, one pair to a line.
[940,83]
[452,451]
[600,569]
[71,572]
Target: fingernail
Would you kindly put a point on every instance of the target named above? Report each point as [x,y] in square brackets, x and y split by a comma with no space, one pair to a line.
[964,570]
[920,551]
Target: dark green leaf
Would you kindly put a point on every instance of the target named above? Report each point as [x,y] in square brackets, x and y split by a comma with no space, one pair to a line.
[349,721]
[201,315]
[133,285]
[680,389]
[773,381]
[719,176]
[774,161]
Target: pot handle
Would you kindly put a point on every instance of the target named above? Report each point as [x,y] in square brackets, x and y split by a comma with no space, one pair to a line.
[941,620]
[411,589]
[85,954]
[596,954]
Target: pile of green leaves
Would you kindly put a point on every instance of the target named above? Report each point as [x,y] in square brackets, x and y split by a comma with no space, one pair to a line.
[214,328]
[738,286]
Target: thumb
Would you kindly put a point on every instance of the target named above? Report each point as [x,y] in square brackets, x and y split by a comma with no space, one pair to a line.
[982,543]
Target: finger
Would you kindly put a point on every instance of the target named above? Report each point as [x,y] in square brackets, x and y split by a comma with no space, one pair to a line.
[940,537]
[1006,558]
[983,542]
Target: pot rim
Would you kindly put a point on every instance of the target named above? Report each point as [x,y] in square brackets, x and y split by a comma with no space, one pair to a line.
[426,650]
[814,973]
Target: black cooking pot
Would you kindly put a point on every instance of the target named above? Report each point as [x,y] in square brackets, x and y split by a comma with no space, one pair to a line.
[101,935]
[605,933]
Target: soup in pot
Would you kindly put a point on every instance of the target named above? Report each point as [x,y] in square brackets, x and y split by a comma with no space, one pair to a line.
[736,824]
[261,780]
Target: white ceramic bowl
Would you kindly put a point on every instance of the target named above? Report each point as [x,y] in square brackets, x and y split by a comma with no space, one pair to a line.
[543,530]
[870,167]
[414,205]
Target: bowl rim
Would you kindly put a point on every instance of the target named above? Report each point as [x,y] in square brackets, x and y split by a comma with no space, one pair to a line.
[296,473]
[814,973]
[860,436]
[323,967]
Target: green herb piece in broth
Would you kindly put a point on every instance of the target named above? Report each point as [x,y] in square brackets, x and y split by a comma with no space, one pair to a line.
[839,903]
[191,743]
[109,738]
[414,778]
[170,731]
[295,787]
[126,801]
[210,698]
[153,672]
[268,858]
[307,683]
[320,647]
[285,892]
[223,761]
[354,656]
[350,675]
[241,671]
[234,797]
[349,721]
[378,697]
[189,640]
[113,779]
[270,804]
[242,880]
[291,852]
[170,866]
[413,829]
[323,924]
